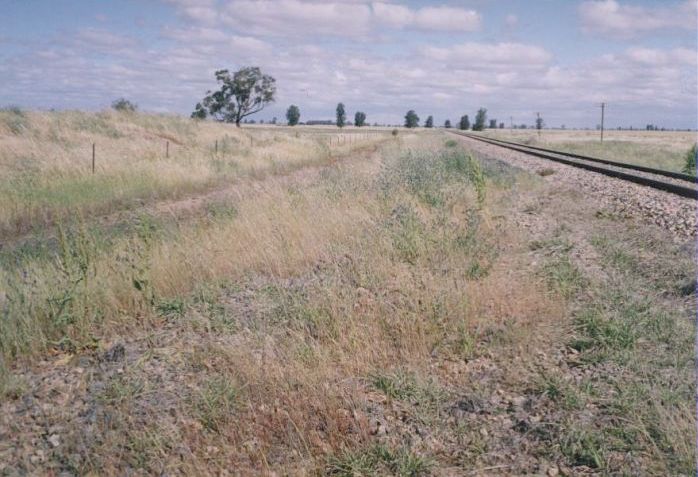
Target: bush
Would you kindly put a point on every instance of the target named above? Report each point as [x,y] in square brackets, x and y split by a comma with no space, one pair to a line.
[14,118]
[394,133]
[690,165]
[124,105]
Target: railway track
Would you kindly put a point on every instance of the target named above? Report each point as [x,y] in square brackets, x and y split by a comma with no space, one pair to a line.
[672,182]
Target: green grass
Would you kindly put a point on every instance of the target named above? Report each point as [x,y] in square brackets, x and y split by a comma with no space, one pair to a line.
[622,324]
[563,276]
[215,403]
[376,461]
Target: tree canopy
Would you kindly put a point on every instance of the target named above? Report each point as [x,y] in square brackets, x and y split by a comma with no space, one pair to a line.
[480,119]
[429,123]
[245,92]
[359,119]
[411,119]
[464,123]
[447,124]
[341,115]
[293,114]
[539,122]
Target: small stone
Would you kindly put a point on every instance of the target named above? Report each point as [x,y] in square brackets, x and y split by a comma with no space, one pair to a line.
[553,472]
[55,440]
[518,402]
[115,353]
[377,427]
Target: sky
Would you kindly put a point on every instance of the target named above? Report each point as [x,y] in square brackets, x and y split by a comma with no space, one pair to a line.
[561,58]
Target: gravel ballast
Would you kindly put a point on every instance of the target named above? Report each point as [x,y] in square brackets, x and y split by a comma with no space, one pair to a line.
[671,212]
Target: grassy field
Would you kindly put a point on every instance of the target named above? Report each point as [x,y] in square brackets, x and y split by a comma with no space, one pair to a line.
[387,305]
[46,161]
[661,149]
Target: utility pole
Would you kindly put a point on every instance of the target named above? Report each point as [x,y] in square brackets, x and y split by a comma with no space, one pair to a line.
[538,124]
[603,107]
[511,122]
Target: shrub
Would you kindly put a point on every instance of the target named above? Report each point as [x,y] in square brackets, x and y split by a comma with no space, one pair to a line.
[124,105]
[690,164]
[14,118]
[394,133]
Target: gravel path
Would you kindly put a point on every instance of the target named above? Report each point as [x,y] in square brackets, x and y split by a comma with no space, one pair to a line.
[674,213]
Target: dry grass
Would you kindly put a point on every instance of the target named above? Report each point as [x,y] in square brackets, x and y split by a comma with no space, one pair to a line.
[660,149]
[375,316]
[45,160]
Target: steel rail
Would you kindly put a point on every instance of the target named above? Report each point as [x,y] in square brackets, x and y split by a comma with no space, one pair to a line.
[672,188]
[625,165]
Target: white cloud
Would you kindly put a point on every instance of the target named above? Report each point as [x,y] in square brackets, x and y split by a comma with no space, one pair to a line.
[297,18]
[479,55]
[91,67]
[393,15]
[343,18]
[441,18]
[447,19]
[624,20]
[249,44]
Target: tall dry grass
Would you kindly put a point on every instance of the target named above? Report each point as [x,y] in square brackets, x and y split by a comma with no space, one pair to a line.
[46,160]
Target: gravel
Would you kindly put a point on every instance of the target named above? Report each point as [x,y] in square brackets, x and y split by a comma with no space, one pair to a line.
[671,212]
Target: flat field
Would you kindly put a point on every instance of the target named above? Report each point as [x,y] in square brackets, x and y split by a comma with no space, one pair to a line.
[661,149]
[315,302]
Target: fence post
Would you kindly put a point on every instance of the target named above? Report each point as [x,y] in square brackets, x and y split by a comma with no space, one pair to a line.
[167,149]
[216,146]
[93,158]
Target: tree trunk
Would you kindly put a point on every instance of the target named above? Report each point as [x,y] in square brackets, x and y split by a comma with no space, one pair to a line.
[237,123]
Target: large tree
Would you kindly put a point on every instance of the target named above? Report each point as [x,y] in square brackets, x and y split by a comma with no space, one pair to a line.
[429,123]
[447,124]
[411,119]
[464,123]
[293,114]
[480,119]
[359,119]
[241,94]
[341,115]
[539,122]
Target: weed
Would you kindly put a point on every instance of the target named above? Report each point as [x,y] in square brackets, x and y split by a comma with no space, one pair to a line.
[216,402]
[11,387]
[564,277]
[690,160]
[465,343]
[558,390]
[583,447]
[400,385]
[145,448]
[121,388]
[173,308]
[602,331]
[378,460]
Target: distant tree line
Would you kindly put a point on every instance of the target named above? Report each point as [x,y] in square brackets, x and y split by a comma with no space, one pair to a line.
[248,91]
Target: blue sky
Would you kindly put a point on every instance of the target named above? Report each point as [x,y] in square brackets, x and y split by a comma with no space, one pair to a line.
[444,58]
